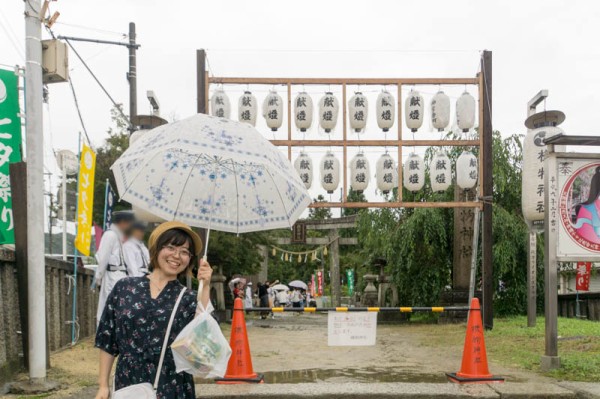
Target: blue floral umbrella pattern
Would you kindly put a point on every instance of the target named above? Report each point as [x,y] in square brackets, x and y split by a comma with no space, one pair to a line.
[213,173]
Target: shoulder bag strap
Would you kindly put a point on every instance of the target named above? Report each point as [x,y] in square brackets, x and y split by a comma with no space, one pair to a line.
[166,341]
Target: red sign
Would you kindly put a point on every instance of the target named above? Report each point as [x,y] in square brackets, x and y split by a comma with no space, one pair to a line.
[583,276]
[312,286]
[320,282]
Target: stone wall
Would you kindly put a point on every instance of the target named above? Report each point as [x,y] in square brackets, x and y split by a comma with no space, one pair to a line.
[59,305]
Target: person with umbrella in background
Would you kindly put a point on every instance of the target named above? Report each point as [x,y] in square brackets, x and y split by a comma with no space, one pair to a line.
[263,295]
[111,262]
[248,297]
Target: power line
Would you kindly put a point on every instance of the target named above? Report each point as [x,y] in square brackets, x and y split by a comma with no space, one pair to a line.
[79,112]
[12,37]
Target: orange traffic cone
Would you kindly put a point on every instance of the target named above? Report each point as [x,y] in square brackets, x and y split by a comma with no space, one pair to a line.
[239,368]
[474,368]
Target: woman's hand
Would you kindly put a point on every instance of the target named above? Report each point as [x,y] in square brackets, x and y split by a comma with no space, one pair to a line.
[204,272]
[103,393]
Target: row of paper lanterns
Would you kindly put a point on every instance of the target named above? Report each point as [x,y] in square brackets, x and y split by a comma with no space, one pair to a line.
[358,110]
[386,175]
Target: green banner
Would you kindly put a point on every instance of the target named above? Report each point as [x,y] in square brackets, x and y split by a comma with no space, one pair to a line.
[350,275]
[10,148]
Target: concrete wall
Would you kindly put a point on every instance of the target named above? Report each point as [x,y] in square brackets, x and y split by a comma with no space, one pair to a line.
[59,305]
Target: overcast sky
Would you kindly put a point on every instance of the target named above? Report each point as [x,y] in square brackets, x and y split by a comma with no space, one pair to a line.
[536,45]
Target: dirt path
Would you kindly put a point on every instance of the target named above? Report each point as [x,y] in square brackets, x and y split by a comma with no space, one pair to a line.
[293,348]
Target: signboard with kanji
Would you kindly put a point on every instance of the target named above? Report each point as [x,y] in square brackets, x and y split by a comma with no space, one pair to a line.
[583,276]
[574,208]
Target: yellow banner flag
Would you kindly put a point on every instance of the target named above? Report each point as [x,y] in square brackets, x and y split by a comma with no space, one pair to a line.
[85,200]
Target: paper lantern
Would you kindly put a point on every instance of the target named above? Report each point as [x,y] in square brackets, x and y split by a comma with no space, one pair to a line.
[543,125]
[386,110]
[303,111]
[358,110]
[219,104]
[414,110]
[329,108]
[467,170]
[440,172]
[386,173]
[440,111]
[247,108]
[330,172]
[303,165]
[414,173]
[465,112]
[360,173]
[273,110]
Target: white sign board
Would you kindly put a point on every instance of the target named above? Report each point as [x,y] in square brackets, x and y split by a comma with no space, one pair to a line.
[352,329]
[575,208]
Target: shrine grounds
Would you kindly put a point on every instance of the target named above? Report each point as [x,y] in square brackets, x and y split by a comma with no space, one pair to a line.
[292,349]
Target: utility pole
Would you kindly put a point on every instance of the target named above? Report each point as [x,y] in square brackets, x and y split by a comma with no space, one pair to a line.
[132,76]
[36,274]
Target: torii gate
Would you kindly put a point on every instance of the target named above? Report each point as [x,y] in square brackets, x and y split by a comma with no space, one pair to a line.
[333,239]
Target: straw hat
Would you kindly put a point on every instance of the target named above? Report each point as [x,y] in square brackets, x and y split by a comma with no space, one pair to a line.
[163,227]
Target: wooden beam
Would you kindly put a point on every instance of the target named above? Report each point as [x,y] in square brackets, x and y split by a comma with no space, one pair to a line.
[341,81]
[376,143]
[319,240]
[201,82]
[470,204]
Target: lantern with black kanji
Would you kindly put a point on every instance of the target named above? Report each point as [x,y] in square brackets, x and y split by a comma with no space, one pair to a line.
[303,165]
[414,110]
[440,111]
[219,104]
[330,172]
[360,172]
[467,170]
[465,112]
[247,108]
[303,111]
[386,110]
[358,109]
[386,173]
[273,110]
[414,173]
[329,108]
[440,172]
[543,125]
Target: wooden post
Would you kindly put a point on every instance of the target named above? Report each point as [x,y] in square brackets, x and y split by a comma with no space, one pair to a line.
[487,160]
[18,184]
[334,267]
[399,110]
[345,148]
[289,121]
[201,82]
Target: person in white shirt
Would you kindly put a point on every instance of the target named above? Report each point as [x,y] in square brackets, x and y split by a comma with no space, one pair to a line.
[282,298]
[111,262]
[137,257]
[248,296]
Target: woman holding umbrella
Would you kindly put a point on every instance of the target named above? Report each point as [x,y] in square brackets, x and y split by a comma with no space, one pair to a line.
[135,320]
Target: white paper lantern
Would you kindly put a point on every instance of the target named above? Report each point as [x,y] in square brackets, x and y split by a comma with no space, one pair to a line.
[465,112]
[414,110]
[386,110]
[330,172]
[543,125]
[358,110]
[304,167]
[386,173]
[219,104]
[440,111]
[360,173]
[303,111]
[247,108]
[467,170]
[414,173]
[329,108]
[273,110]
[440,172]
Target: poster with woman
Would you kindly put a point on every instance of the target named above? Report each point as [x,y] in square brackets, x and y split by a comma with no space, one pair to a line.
[579,207]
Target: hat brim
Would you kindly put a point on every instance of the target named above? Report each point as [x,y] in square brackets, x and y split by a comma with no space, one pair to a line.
[166,226]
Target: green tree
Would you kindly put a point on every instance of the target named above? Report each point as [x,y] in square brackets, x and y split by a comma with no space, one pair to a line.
[319,213]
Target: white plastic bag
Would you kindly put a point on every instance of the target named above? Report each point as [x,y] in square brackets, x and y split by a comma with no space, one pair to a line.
[201,349]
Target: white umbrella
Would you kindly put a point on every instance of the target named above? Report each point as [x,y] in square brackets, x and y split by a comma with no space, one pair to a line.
[213,173]
[236,280]
[298,284]
[280,287]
